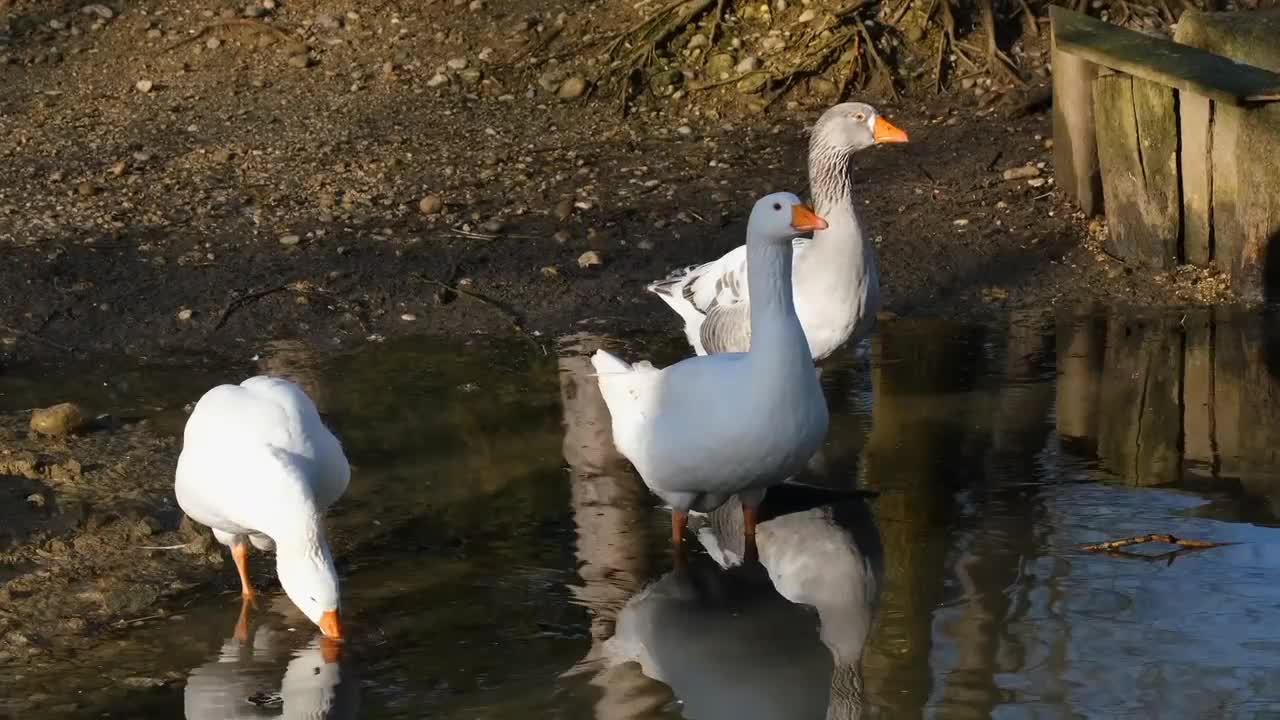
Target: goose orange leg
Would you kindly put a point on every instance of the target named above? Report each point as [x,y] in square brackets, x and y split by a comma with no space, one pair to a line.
[749,531]
[240,554]
[679,521]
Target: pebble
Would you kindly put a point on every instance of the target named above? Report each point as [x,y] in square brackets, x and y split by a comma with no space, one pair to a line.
[550,271]
[457,63]
[562,236]
[86,189]
[299,60]
[960,223]
[589,259]
[328,22]
[571,88]
[60,419]
[684,130]
[1021,173]
[697,41]
[493,227]
[476,5]
[431,205]
[290,239]
[437,80]
[408,317]
[748,64]
[1037,182]
[563,210]
[118,168]
[184,314]
[807,16]
[101,11]
[213,43]
[550,80]
[144,86]
[221,155]
[471,76]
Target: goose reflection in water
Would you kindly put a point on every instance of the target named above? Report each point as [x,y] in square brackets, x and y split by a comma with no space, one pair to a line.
[245,680]
[742,640]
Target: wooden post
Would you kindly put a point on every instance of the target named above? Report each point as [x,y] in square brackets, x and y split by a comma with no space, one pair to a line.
[1075,148]
[1195,116]
[1141,421]
[1138,154]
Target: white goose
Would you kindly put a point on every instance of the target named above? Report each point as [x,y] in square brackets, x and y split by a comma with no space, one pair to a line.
[711,427]
[258,466]
[837,286]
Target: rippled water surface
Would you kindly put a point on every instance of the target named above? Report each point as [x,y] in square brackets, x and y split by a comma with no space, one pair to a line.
[520,569]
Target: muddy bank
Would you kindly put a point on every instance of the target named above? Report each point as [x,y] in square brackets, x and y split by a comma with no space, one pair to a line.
[177,183]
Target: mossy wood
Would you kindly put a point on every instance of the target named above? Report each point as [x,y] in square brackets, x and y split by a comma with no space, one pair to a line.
[1137,131]
[1162,61]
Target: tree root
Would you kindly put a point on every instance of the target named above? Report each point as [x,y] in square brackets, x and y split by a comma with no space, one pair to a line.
[637,46]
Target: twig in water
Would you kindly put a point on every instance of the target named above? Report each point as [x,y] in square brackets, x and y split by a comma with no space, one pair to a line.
[1111,545]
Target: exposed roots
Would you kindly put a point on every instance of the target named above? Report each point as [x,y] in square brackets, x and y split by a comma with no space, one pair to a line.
[637,46]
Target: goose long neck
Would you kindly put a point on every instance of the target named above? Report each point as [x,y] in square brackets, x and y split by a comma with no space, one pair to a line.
[830,176]
[769,277]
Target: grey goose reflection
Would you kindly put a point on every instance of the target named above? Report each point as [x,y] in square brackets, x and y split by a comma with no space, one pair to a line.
[778,639]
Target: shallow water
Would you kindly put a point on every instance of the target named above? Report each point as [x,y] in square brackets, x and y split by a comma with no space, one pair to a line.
[519,569]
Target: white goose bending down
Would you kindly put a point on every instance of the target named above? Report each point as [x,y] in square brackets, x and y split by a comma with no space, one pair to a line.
[711,427]
[837,286]
[258,466]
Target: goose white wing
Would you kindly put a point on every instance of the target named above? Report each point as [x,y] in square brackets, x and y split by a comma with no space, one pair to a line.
[713,300]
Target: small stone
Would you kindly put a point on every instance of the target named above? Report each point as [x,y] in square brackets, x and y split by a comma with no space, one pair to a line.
[563,210]
[254,11]
[184,314]
[719,64]
[550,271]
[60,419]
[960,223]
[118,168]
[144,86]
[269,4]
[457,63]
[408,317]
[493,227]
[299,60]
[750,63]
[1037,182]
[431,205]
[684,130]
[562,236]
[1048,144]
[476,5]
[57,24]
[1021,173]
[437,80]
[86,189]
[470,76]
[101,11]
[807,16]
[221,155]
[290,239]
[571,88]
[213,43]
[697,41]
[328,22]
[590,258]
[550,80]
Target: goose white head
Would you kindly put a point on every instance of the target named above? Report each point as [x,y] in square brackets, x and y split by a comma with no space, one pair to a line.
[776,218]
[309,579]
[854,126]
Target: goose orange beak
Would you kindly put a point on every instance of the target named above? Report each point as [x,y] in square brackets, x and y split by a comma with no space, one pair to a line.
[804,219]
[330,625]
[886,132]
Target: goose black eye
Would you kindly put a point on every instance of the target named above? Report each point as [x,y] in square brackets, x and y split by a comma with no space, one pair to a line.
[777,206]
[860,117]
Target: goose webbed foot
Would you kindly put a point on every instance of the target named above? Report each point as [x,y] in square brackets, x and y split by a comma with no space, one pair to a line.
[240,554]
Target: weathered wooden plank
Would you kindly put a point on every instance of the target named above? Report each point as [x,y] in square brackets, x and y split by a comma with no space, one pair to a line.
[1195,115]
[1080,344]
[1075,145]
[1162,61]
[1244,142]
[1197,392]
[1138,155]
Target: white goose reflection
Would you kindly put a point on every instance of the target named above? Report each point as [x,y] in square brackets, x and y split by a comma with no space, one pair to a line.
[244,680]
[741,640]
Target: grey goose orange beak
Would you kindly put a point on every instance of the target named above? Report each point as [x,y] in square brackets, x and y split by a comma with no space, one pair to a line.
[886,132]
[804,219]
